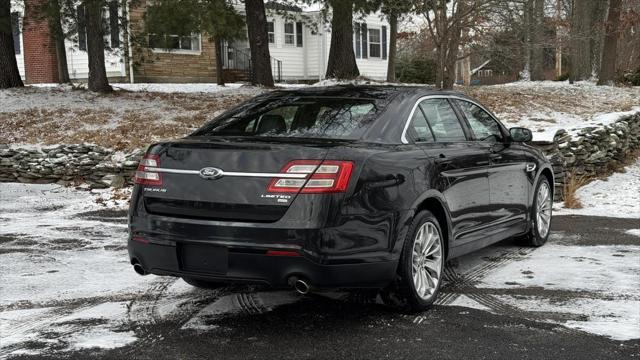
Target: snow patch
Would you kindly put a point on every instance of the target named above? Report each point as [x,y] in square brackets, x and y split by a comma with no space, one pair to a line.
[634,232]
[616,196]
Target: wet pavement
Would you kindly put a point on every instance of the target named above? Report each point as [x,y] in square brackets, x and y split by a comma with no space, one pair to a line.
[68,291]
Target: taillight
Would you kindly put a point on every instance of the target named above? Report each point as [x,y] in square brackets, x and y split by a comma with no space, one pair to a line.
[145,177]
[328,176]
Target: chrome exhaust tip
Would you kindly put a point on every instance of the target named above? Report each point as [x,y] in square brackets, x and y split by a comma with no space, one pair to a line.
[139,269]
[302,287]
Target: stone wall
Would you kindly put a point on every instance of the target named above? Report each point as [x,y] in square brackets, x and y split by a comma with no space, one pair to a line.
[65,164]
[590,152]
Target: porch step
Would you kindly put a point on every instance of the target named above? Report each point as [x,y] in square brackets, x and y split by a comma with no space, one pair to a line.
[235,75]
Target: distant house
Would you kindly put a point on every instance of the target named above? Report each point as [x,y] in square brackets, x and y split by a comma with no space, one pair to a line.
[299,41]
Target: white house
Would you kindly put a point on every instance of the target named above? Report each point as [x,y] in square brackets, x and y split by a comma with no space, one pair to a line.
[299,41]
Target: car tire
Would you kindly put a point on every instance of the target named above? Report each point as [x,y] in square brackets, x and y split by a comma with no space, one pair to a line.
[421,266]
[541,215]
[203,284]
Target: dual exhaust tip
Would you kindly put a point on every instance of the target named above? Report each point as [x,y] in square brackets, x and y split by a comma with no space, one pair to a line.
[300,285]
[137,267]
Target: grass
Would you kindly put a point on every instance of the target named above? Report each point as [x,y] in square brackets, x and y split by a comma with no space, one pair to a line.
[571,187]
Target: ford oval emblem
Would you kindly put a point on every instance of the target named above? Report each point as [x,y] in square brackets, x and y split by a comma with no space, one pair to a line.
[211,173]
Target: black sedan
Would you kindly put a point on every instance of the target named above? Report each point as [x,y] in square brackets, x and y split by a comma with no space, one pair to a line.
[354,187]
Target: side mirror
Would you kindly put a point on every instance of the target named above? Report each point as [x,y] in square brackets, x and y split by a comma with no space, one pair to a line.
[519,134]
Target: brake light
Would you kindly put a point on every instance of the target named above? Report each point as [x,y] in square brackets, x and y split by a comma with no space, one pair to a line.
[145,177]
[328,176]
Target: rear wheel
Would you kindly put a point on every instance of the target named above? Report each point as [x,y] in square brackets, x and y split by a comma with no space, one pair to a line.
[203,284]
[540,215]
[421,265]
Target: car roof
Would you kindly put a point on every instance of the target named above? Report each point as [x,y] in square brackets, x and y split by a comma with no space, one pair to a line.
[365,91]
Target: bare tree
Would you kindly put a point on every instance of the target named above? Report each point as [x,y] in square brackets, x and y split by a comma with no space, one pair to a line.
[259,43]
[342,60]
[55,24]
[446,22]
[610,48]
[393,10]
[98,80]
[9,74]
[537,40]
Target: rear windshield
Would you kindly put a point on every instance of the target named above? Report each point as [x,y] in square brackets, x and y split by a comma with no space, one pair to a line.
[299,117]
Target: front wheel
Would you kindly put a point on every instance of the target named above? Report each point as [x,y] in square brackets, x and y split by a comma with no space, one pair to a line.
[421,263]
[541,209]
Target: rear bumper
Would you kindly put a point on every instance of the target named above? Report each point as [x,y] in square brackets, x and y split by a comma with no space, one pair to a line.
[356,254]
[269,270]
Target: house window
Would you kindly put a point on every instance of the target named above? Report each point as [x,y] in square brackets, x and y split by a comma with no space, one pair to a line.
[271,32]
[174,42]
[289,34]
[15,29]
[374,43]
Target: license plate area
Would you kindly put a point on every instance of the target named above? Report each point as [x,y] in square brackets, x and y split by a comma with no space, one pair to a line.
[203,258]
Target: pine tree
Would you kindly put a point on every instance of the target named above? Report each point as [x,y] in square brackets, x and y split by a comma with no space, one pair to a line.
[9,74]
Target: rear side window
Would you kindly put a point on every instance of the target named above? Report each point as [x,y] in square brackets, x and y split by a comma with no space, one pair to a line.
[331,118]
[419,129]
[483,125]
[442,120]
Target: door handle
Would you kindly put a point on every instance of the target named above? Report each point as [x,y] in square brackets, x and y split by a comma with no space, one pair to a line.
[495,156]
[442,160]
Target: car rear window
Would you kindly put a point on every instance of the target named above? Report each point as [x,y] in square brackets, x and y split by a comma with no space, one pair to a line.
[299,117]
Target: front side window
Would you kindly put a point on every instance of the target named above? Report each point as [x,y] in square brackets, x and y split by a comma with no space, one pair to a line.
[271,32]
[442,120]
[297,117]
[483,125]
[374,42]
[289,34]
[175,42]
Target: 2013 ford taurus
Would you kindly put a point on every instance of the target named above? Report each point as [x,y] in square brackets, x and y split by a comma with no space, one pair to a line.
[353,187]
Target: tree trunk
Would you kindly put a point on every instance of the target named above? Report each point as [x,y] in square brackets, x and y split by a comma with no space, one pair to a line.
[393,39]
[528,39]
[55,23]
[342,60]
[219,70]
[537,46]
[597,31]
[259,43]
[9,74]
[610,49]
[98,81]
[581,61]
[452,55]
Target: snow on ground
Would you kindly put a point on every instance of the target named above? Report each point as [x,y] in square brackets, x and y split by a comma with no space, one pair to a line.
[610,274]
[615,196]
[54,114]
[180,88]
[66,282]
[548,106]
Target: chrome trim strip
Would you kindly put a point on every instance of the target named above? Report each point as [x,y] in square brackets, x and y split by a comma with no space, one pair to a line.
[403,138]
[228,173]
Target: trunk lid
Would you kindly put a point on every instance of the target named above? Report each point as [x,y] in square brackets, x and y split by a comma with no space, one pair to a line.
[240,194]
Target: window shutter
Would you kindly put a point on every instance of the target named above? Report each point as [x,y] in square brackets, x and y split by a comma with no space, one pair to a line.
[365,41]
[82,28]
[15,30]
[299,34]
[113,24]
[384,42]
[358,43]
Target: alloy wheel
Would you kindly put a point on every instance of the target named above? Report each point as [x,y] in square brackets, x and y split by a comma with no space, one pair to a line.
[426,260]
[543,209]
